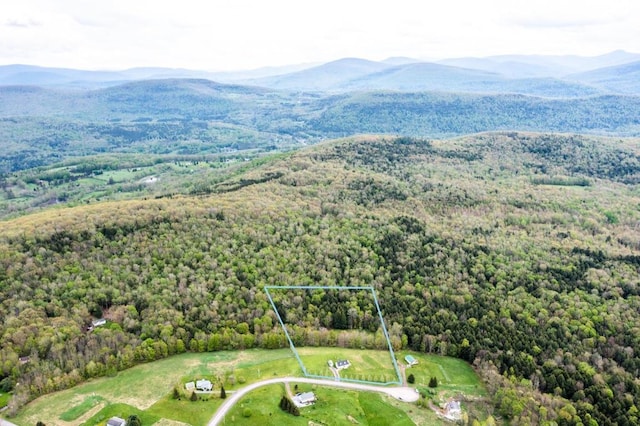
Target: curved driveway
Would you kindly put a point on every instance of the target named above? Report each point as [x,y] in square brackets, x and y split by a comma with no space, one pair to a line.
[401,393]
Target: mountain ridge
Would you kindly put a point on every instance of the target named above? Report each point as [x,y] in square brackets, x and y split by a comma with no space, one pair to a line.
[502,249]
[352,73]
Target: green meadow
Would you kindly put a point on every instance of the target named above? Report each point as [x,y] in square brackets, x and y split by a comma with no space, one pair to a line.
[333,407]
[147,390]
[365,365]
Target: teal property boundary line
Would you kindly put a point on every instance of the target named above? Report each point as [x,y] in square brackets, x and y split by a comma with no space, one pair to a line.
[293,347]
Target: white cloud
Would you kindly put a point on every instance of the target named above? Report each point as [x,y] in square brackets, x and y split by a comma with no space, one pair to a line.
[232,34]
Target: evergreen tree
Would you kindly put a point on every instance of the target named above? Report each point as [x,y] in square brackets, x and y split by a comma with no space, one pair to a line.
[340,319]
[433,382]
[411,379]
[133,420]
[193,397]
[223,393]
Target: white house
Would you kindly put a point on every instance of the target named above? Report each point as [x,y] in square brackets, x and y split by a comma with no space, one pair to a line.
[304,399]
[342,364]
[204,385]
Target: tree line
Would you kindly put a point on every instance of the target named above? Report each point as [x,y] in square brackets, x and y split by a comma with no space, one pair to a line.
[532,284]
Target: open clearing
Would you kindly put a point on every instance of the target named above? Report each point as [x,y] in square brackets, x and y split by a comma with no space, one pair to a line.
[366,365]
[333,407]
[124,394]
[454,376]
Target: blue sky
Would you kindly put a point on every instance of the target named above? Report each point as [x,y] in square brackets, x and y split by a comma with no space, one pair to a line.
[245,34]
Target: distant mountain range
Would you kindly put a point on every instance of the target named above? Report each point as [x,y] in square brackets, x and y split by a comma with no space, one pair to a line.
[546,76]
[526,66]
[44,125]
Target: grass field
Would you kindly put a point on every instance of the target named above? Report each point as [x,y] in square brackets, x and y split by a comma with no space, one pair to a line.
[366,365]
[186,411]
[78,410]
[333,407]
[120,410]
[454,376]
[4,399]
[125,387]
[124,395]
[112,182]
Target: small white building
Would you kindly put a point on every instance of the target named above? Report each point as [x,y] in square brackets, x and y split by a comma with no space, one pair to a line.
[342,364]
[204,385]
[411,361]
[116,421]
[304,399]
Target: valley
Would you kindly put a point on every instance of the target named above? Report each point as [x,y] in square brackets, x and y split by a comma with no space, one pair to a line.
[491,203]
[516,252]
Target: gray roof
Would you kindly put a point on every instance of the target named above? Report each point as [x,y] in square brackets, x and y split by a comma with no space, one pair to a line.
[306,396]
[454,406]
[116,421]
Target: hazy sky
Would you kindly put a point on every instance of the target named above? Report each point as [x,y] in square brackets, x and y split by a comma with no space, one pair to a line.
[244,34]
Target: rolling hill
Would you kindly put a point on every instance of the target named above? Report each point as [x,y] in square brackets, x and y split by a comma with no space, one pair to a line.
[431,77]
[527,66]
[41,126]
[619,79]
[325,77]
[517,252]
[523,74]
[405,75]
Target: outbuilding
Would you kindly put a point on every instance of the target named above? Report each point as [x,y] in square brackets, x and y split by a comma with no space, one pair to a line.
[304,399]
[342,364]
[116,421]
[410,360]
[204,385]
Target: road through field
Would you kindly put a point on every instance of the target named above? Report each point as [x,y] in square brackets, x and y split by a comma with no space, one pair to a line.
[401,393]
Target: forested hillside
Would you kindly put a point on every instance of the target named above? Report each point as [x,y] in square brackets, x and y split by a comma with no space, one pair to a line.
[41,127]
[517,252]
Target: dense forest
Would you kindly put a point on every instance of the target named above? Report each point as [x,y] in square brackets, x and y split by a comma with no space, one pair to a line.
[45,126]
[516,252]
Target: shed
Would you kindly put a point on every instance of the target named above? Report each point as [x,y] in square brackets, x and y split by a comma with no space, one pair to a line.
[116,421]
[410,360]
[342,364]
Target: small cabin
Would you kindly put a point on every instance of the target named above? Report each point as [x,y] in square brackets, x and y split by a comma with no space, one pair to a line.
[304,399]
[204,385]
[342,364]
[116,421]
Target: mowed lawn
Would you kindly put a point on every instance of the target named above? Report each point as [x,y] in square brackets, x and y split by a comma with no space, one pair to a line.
[333,407]
[366,365]
[146,390]
[4,399]
[454,375]
[140,386]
